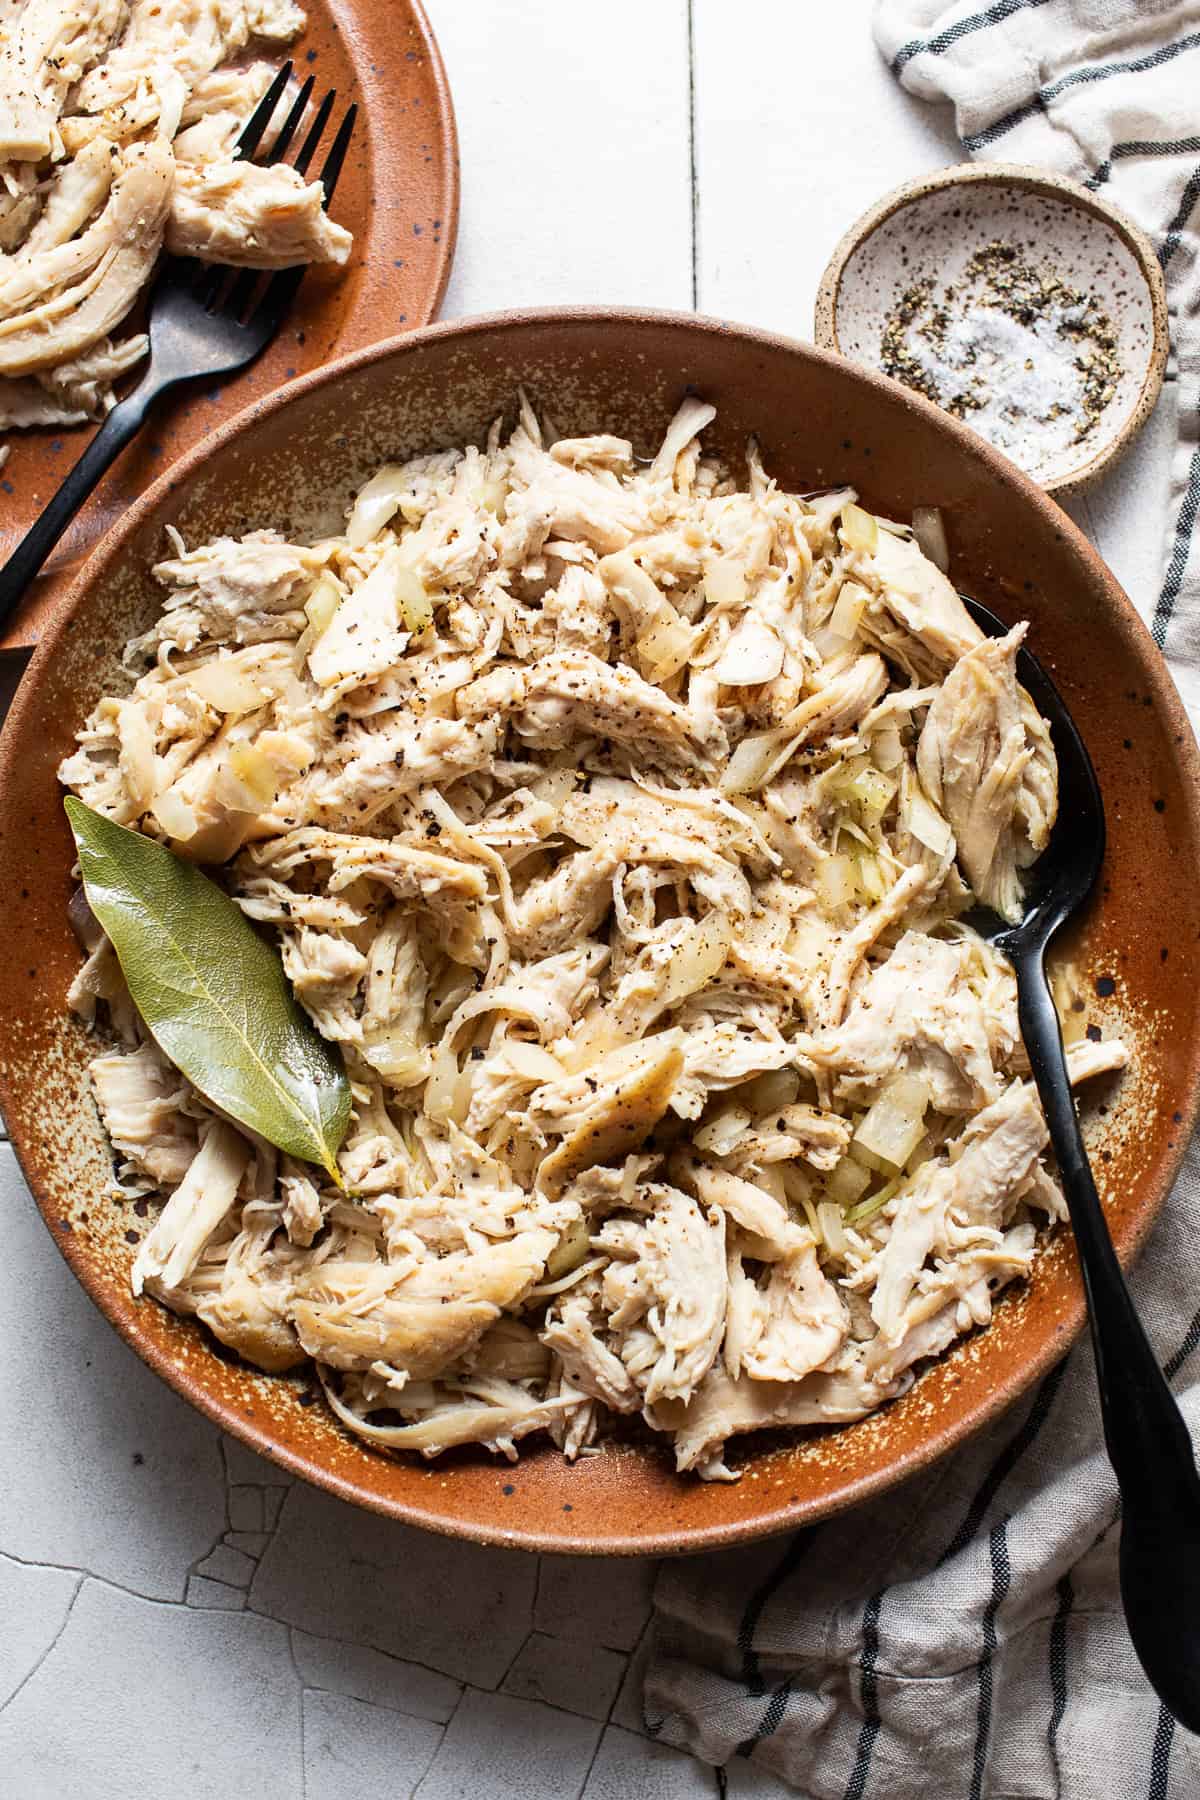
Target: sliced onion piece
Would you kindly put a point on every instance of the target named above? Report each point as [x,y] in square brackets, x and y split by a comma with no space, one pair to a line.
[895,1124]
[859,530]
[753,655]
[724,1132]
[930,532]
[571,1250]
[747,767]
[530,1062]
[174,816]
[322,603]
[375,504]
[666,646]
[859,784]
[555,786]
[228,687]
[725,582]
[697,959]
[848,1182]
[835,882]
[771,1091]
[869,875]
[416,607]
[851,603]
[887,746]
[922,819]
[832,1228]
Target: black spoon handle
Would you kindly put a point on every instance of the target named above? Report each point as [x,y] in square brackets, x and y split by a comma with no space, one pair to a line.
[1148,1441]
[1140,1414]
[123,423]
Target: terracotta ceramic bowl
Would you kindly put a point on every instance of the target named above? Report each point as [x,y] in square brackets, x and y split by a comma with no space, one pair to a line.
[926,232]
[292,461]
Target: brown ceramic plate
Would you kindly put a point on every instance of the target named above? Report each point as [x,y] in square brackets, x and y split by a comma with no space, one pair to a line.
[398,194]
[292,461]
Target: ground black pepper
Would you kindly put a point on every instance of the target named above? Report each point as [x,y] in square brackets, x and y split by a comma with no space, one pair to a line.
[1008,345]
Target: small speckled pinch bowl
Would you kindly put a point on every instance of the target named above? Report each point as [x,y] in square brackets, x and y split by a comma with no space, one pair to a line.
[293,461]
[929,228]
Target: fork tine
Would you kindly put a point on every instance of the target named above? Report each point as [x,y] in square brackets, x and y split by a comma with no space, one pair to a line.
[337,153]
[208,284]
[282,287]
[240,292]
[308,148]
[280,291]
[260,118]
[291,123]
[243,289]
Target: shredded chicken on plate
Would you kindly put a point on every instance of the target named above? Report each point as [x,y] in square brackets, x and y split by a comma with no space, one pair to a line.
[118,128]
[617,820]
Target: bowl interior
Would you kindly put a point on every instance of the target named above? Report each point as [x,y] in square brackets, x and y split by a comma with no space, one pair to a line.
[293,463]
[932,237]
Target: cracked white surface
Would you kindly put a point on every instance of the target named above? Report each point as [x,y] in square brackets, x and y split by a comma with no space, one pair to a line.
[132,1689]
[577,1676]
[361,1673]
[604,1600]
[496,1745]
[354,1749]
[626,1765]
[105,1468]
[34,1603]
[337,1572]
[178,1613]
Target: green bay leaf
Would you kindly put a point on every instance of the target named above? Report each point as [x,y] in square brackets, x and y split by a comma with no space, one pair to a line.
[212,991]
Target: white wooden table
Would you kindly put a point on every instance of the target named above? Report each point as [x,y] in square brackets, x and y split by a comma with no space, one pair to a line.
[175,1613]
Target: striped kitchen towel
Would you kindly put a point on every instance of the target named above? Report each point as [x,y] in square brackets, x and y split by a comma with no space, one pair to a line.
[962,1638]
[1108,92]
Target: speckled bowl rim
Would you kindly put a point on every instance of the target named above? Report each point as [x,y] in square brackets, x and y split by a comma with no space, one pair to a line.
[1055,187]
[666,1540]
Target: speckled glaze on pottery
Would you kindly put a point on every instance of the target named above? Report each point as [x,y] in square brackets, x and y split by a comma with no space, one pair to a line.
[293,461]
[929,228]
[398,193]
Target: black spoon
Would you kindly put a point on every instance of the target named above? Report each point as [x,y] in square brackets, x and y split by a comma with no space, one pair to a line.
[1148,1442]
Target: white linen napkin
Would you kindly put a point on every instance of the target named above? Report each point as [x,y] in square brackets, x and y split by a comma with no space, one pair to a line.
[962,1638]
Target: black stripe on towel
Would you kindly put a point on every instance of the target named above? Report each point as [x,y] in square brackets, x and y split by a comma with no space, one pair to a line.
[1187,204]
[1191,1338]
[772,1717]
[1140,147]
[1005,1463]
[979,140]
[1160,1755]
[934,46]
[1001,1576]
[1058,1662]
[869,1730]
[752,1673]
[1092,72]
[1185,524]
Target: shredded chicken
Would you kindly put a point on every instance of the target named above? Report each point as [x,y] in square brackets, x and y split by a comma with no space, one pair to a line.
[986,759]
[59,302]
[618,823]
[118,130]
[44,50]
[256,216]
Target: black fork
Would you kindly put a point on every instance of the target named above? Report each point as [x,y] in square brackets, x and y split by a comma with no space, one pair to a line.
[204,320]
